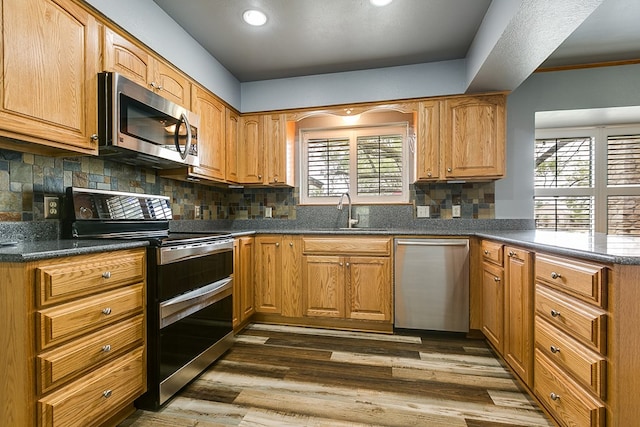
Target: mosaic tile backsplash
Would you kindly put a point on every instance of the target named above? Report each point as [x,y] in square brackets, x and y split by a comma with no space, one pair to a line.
[26,178]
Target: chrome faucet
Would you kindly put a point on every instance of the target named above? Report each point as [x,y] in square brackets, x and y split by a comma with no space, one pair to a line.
[351,222]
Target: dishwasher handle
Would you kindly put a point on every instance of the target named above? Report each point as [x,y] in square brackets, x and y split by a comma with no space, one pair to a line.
[428,242]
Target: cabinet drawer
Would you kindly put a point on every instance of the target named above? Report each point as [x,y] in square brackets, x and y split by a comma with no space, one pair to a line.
[85,275]
[347,245]
[582,280]
[65,321]
[586,365]
[569,404]
[62,363]
[92,399]
[492,252]
[583,322]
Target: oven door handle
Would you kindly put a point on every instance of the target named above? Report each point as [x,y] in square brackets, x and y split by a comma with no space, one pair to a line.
[183,305]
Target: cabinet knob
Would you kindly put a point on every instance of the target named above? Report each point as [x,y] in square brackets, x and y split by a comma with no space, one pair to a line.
[155,86]
[106,275]
[259,176]
[106,394]
[94,137]
[555,349]
[554,396]
[486,252]
[275,179]
[496,279]
[448,169]
[106,348]
[277,245]
[555,313]
[347,264]
[291,244]
[106,311]
[555,275]
[340,264]
[511,254]
[429,174]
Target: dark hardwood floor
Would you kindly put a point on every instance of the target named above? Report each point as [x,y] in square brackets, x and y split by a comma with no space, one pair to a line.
[285,376]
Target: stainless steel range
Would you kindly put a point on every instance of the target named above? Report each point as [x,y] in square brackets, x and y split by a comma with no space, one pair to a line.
[189,283]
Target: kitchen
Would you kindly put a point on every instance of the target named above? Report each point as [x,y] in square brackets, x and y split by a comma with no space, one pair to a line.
[511,204]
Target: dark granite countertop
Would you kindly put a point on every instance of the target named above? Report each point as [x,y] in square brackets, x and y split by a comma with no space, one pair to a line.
[597,247]
[44,249]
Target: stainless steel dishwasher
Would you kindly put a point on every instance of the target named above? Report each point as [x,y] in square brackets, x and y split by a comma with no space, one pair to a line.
[432,284]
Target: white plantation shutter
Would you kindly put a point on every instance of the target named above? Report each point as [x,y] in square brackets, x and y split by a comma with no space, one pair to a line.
[588,179]
[563,183]
[379,165]
[369,163]
[328,167]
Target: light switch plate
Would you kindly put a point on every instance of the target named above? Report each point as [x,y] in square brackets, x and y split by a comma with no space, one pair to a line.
[268,212]
[422,211]
[455,211]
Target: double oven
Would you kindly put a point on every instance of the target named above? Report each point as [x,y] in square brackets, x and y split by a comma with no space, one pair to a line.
[189,283]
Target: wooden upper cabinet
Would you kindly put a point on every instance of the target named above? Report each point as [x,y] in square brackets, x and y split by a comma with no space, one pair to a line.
[123,56]
[473,131]
[279,138]
[250,154]
[211,134]
[428,141]
[50,57]
[232,128]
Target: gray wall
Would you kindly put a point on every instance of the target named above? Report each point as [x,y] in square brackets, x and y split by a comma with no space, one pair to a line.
[603,87]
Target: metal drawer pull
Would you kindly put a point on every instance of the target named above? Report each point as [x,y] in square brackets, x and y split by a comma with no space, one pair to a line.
[106,275]
[555,313]
[106,311]
[106,394]
[555,349]
[554,396]
[106,348]
[555,275]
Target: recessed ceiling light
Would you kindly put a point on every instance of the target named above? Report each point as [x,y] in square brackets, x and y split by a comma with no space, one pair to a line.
[380,3]
[254,17]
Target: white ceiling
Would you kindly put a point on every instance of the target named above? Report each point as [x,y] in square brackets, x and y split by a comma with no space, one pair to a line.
[306,37]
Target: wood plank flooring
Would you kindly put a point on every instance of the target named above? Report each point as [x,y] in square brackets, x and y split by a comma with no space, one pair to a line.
[288,376]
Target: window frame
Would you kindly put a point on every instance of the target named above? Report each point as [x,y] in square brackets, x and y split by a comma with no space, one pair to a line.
[600,191]
[353,132]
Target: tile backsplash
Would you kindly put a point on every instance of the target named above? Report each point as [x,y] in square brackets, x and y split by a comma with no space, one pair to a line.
[26,178]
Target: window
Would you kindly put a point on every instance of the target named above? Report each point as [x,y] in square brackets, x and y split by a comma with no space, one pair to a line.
[369,163]
[588,180]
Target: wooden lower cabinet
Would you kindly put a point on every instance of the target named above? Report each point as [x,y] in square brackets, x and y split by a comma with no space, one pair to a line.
[493,294]
[333,281]
[518,312]
[346,285]
[74,339]
[243,283]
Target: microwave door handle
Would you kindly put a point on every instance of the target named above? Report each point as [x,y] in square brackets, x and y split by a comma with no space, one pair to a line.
[176,136]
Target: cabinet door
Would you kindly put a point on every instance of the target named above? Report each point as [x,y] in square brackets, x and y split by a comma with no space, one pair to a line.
[269,274]
[323,286]
[291,276]
[518,312]
[250,150]
[245,274]
[279,150]
[50,55]
[369,288]
[428,141]
[493,304]
[232,125]
[125,57]
[211,134]
[473,131]
[169,83]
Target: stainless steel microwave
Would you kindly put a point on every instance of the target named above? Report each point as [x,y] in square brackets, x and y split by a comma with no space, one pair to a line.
[139,127]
